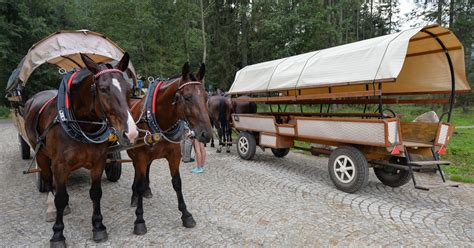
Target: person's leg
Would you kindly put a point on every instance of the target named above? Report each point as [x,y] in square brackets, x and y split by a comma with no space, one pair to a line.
[186,147]
[203,154]
[198,151]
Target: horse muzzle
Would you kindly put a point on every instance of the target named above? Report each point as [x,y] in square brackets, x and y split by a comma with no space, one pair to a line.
[203,136]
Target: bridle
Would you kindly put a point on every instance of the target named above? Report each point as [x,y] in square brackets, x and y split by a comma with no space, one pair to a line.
[102,115]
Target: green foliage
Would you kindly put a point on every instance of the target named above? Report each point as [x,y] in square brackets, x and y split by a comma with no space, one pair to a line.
[161,35]
[459,151]
[4,112]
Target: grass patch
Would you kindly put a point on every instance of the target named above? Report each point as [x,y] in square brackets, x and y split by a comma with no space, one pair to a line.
[4,112]
[461,152]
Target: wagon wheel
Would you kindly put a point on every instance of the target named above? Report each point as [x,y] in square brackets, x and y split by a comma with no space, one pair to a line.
[113,170]
[348,169]
[392,176]
[280,152]
[24,148]
[246,145]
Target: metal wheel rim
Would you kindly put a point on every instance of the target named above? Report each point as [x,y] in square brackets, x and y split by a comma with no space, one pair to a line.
[344,169]
[243,145]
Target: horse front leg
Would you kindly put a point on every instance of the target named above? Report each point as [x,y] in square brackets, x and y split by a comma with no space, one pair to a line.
[99,231]
[139,187]
[186,217]
[60,200]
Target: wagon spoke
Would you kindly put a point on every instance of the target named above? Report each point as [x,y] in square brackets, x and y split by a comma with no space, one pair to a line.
[347,175]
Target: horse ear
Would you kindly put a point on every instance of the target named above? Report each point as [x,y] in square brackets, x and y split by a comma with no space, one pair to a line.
[185,71]
[201,72]
[90,64]
[123,64]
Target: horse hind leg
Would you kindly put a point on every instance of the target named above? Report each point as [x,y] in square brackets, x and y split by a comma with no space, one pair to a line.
[228,140]
[99,231]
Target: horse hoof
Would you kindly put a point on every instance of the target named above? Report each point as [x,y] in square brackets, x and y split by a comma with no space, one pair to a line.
[212,145]
[67,210]
[228,151]
[188,221]
[147,194]
[57,244]
[99,236]
[139,229]
[218,151]
[50,216]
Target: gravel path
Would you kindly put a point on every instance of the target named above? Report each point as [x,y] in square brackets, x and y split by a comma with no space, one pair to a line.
[265,202]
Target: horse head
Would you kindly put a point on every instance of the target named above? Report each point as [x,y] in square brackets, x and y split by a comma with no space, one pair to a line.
[111,95]
[192,102]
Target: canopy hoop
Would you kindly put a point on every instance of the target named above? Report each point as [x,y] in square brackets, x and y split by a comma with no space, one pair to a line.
[451,70]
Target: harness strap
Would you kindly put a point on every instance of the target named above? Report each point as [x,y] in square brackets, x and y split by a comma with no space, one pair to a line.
[40,143]
[46,105]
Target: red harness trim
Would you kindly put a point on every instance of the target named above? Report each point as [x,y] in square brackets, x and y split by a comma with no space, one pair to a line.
[69,82]
[46,105]
[157,88]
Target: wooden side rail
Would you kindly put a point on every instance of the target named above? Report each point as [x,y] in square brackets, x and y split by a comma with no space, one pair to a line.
[324,114]
[293,100]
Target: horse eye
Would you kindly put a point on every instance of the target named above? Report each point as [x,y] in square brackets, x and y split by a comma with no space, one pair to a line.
[187,98]
[103,89]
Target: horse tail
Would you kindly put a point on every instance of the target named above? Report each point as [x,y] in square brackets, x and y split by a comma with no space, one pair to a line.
[223,117]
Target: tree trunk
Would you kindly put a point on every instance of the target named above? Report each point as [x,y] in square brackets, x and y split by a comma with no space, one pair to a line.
[204,44]
[440,12]
[451,13]
[244,32]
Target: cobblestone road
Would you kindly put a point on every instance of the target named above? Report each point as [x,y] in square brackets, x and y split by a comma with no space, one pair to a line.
[266,202]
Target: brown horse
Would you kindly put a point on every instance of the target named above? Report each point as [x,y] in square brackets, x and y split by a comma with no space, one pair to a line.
[220,110]
[182,98]
[99,97]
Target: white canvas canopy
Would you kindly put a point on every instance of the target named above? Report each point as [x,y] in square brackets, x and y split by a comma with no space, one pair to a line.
[63,50]
[411,61]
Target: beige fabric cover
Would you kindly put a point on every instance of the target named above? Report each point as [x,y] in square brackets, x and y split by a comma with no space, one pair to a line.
[55,48]
[381,59]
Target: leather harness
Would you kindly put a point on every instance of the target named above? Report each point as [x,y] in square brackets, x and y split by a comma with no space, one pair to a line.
[148,114]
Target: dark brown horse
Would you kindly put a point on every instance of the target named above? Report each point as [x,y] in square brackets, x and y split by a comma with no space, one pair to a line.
[99,96]
[220,110]
[182,98]
[240,107]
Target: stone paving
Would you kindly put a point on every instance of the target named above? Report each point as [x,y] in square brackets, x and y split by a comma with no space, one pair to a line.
[265,202]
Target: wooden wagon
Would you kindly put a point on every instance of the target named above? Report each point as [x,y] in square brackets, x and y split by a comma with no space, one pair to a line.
[62,49]
[415,66]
